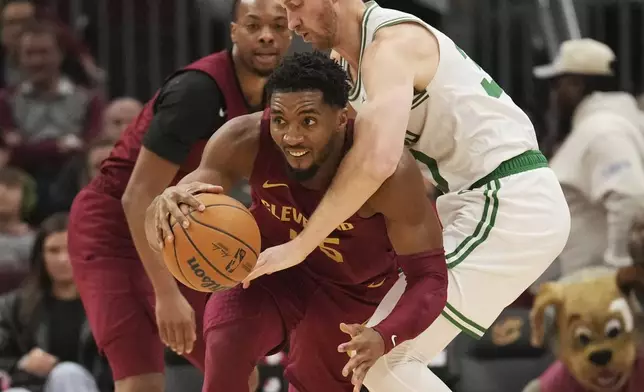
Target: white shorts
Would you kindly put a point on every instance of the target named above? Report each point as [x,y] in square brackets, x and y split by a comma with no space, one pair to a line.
[498,238]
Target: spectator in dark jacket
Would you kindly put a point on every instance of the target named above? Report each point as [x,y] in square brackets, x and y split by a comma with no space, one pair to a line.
[45,342]
[78,173]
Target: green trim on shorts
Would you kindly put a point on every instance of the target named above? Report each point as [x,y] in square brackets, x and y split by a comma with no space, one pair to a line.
[529,160]
[463,323]
[483,228]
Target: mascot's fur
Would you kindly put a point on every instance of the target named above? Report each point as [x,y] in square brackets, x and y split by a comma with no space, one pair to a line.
[594,331]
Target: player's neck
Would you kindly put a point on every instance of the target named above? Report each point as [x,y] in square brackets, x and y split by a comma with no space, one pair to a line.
[252,84]
[349,34]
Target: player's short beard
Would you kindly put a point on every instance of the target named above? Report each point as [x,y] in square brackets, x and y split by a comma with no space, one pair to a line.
[302,175]
[262,73]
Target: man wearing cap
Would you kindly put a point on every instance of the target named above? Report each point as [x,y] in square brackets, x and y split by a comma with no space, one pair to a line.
[599,159]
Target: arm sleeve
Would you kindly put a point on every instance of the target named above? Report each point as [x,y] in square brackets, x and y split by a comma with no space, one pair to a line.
[617,181]
[185,111]
[615,166]
[422,301]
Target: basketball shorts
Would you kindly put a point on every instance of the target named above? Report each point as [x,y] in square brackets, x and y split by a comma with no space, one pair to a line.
[499,238]
[115,290]
[242,326]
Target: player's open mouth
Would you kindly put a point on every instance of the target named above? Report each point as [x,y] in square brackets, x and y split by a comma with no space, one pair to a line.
[296,153]
[266,56]
[608,379]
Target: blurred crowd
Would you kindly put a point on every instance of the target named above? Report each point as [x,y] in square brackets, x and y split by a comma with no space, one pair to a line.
[57,125]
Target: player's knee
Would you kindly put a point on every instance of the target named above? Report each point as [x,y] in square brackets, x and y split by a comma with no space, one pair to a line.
[227,340]
[141,383]
[230,356]
[402,373]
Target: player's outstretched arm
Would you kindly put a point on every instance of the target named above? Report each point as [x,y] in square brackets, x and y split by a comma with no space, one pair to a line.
[389,72]
[183,115]
[415,233]
[227,158]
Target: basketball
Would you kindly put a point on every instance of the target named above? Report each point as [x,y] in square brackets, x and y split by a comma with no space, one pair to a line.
[218,249]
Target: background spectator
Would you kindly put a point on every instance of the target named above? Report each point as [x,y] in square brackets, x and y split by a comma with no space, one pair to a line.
[118,115]
[46,118]
[16,237]
[44,337]
[46,115]
[77,62]
[599,161]
[78,172]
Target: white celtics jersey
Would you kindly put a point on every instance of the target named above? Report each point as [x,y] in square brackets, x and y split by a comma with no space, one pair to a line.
[462,126]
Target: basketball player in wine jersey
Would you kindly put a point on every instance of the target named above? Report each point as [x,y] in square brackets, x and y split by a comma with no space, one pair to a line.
[134,305]
[504,215]
[290,157]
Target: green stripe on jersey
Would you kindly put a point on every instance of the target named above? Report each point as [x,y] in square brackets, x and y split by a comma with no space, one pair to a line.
[357,84]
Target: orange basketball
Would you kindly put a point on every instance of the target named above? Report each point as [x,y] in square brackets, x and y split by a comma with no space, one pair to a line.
[218,249]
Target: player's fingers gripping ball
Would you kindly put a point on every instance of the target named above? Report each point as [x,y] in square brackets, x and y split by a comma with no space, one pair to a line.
[218,249]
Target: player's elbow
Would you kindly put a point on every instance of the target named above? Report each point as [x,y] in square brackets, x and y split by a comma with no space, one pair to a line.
[380,141]
[128,202]
[381,163]
[134,200]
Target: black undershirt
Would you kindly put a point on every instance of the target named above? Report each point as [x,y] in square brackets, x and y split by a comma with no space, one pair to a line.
[66,318]
[186,110]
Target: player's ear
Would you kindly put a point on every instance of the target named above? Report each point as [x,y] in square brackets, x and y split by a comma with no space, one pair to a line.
[233,32]
[549,294]
[343,118]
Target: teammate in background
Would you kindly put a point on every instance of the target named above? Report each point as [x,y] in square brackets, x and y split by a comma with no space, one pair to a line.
[504,215]
[119,278]
[290,158]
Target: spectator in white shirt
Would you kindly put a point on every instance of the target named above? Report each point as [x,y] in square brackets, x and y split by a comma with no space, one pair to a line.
[600,161]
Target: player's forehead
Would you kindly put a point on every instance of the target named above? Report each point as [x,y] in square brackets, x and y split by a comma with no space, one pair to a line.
[292,4]
[295,102]
[260,9]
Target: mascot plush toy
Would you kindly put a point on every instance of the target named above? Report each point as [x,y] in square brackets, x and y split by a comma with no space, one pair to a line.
[594,335]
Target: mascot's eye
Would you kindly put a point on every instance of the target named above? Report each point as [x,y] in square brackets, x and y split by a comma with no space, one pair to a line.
[583,335]
[613,328]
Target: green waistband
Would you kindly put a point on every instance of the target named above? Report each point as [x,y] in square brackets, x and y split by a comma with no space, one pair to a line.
[529,160]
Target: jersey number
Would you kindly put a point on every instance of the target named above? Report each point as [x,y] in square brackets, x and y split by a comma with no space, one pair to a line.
[325,248]
[491,87]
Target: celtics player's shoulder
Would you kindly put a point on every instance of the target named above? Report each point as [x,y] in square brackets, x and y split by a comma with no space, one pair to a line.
[404,43]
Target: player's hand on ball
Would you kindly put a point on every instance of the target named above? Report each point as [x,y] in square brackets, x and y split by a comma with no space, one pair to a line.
[176,322]
[365,347]
[172,202]
[276,259]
